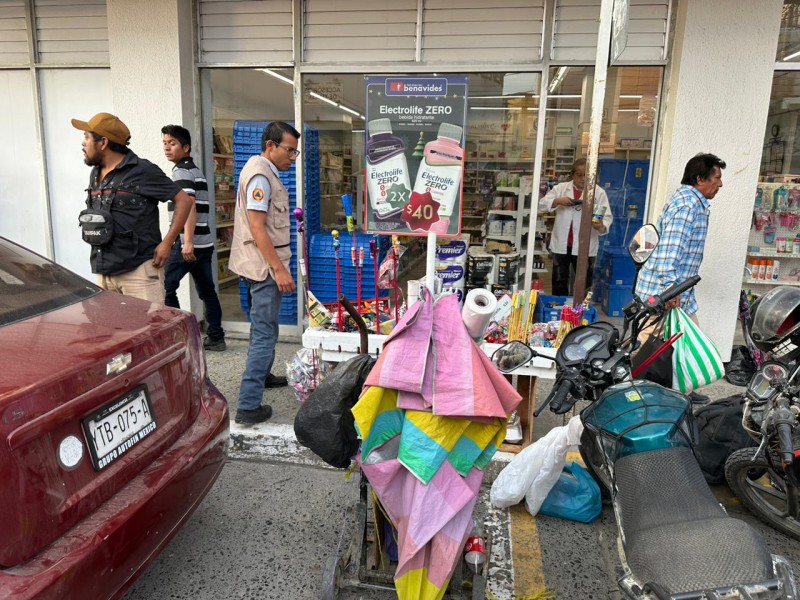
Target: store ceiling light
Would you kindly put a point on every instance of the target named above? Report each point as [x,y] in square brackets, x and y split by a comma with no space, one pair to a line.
[277,76]
[791,56]
[495,108]
[562,71]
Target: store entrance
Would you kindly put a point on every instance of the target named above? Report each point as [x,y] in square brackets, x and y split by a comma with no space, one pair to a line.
[240,102]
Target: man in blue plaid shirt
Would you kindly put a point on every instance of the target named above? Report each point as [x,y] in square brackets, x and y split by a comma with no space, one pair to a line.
[683,226]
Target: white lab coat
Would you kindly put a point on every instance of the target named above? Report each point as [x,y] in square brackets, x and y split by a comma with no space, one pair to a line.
[567,217]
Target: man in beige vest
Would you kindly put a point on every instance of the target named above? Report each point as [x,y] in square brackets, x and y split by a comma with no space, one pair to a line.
[260,253]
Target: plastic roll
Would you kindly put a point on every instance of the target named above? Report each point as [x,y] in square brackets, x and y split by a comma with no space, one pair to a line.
[479,306]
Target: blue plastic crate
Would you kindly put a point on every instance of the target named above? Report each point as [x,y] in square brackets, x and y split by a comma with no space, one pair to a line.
[613,298]
[618,267]
[548,308]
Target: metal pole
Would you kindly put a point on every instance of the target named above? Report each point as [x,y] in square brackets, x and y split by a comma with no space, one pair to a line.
[598,97]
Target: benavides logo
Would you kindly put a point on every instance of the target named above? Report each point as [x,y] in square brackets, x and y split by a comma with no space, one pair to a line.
[417,86]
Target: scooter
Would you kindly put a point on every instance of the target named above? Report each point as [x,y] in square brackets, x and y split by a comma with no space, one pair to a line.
[675,542]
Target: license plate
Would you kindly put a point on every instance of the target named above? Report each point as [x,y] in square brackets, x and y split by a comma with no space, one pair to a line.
[119,426]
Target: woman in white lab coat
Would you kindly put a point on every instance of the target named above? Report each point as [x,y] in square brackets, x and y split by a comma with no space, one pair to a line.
[566,199]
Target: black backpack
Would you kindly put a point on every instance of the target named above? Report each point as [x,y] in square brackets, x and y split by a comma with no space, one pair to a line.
[721,433]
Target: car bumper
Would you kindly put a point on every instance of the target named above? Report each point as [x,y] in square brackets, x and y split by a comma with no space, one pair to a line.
[102,556]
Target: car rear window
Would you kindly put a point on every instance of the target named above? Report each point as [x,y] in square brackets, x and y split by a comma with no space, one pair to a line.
[31,285]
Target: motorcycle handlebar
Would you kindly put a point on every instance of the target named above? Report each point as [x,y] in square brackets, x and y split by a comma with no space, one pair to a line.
[787,447]
[556,397]
[678,288]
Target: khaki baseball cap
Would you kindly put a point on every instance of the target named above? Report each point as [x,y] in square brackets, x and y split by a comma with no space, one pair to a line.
[107,125]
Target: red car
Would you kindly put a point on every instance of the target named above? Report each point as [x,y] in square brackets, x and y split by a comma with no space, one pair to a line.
[112,433]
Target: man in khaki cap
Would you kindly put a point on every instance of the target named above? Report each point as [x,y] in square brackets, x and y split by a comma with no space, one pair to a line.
[121,218]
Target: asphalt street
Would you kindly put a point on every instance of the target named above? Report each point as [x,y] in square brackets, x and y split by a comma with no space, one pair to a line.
[278,515]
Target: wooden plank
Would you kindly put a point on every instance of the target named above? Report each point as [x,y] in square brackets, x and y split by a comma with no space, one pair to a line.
[14,47]
[648,12]
[582,54]
[245,57]
[578,14]
[237,20]
[82,10]
[647,26]
[586,27]
[475,28]
[252,7]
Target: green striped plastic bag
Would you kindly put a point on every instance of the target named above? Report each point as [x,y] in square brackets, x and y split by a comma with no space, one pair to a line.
[695,360]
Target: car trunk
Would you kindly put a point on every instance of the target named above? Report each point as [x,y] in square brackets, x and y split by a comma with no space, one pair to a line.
[55,383]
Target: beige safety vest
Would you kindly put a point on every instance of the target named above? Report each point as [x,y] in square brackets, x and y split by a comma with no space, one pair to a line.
[246,259]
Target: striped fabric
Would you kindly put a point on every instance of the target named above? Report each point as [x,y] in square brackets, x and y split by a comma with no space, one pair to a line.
[695,360]
[193,182]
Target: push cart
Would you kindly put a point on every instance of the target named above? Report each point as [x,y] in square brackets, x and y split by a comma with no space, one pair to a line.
[360,562]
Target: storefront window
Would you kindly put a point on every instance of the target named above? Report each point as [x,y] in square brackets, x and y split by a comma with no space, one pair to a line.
[626,138]
[773,252]
[238,104]
[789,36]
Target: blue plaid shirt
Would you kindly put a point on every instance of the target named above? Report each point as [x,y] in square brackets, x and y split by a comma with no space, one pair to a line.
[683,226]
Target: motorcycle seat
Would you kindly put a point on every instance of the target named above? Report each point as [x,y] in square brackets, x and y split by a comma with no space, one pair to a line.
[675,533]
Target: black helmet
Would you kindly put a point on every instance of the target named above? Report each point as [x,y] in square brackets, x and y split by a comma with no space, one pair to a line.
[774,322]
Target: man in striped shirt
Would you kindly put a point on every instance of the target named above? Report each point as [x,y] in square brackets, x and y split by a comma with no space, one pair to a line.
[193,252]
[683,226]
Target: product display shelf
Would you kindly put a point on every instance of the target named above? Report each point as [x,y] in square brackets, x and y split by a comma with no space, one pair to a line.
[224,205]
[774,226]
[771,282]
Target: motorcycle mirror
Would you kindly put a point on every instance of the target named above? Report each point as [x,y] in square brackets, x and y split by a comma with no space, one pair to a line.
[512,356]
[643,244]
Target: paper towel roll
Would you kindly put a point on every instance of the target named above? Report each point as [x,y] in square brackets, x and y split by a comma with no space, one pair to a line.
[479,306]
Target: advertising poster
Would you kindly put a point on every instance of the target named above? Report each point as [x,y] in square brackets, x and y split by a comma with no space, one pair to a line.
[415,154]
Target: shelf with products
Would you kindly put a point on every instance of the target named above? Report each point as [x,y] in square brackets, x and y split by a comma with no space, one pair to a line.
[773,256]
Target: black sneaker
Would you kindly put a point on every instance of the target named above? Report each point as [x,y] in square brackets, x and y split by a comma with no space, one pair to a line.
[275,381]
[214,345]
[251,417]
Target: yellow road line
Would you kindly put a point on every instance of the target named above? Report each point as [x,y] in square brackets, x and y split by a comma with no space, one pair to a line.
[526,553]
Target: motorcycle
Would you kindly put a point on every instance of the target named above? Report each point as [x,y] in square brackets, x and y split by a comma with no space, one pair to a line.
[676,542]
[767,478]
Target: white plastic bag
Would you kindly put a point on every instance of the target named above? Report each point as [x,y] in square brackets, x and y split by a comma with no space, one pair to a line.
[535,470]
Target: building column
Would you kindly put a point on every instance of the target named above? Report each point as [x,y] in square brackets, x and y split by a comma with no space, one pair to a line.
[716,96]
[152,82]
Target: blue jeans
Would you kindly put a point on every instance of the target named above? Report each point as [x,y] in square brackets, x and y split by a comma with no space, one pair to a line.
[200,269]
[265,308]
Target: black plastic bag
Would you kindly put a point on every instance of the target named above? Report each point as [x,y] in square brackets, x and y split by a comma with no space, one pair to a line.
[720,434]
[324,423]
[660,370]
[741,368]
